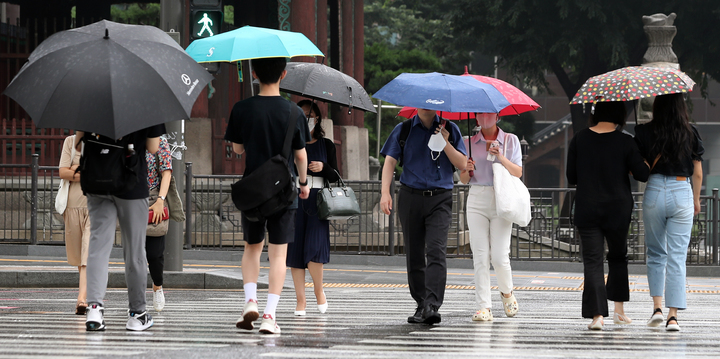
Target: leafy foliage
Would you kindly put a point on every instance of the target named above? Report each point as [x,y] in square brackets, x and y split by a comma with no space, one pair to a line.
[136,13]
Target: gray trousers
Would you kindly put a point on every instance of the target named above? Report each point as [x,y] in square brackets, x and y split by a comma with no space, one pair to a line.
[425,224]
[133,216]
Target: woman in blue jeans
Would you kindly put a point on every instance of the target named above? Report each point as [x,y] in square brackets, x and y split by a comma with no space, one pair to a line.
[674,148]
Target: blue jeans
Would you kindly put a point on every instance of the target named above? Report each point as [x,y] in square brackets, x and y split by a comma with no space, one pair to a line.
[668,215]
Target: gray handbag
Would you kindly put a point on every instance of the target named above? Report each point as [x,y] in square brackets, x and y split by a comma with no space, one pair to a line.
[337,203]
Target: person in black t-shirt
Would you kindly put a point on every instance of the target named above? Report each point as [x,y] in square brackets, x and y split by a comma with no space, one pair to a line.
[599,160]
[257,128]
[130,208]
[675,149]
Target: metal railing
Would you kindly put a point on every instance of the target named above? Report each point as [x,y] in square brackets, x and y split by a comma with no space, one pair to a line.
[27,215]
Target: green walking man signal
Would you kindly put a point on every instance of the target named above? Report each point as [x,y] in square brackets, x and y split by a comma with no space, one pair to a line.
[206,18]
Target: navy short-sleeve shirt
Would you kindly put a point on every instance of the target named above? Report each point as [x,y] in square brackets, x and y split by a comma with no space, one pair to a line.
[420,170]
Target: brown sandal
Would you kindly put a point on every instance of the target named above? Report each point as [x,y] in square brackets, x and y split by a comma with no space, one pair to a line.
[81,308]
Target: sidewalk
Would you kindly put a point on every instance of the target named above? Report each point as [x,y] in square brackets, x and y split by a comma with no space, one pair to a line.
[46,267]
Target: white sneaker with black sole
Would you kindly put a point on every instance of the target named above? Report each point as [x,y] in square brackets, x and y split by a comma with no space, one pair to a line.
[269,325]
[139,321]
[95,318]
[158,300]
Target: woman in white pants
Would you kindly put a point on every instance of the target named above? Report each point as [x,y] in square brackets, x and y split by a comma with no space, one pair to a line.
[490,234]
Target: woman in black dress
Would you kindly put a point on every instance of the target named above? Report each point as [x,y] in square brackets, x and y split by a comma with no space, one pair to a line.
[599,160]
[311,248]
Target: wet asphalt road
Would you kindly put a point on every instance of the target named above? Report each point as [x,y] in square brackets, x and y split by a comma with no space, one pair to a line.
[360,323]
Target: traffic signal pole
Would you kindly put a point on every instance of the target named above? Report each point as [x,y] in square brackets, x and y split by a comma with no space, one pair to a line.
[171,19]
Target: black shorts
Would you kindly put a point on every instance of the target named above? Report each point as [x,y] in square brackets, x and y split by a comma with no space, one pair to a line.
[280,228]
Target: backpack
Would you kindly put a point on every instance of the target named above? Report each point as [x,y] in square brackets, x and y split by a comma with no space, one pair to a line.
[107,166]
[270,188]
[404,133]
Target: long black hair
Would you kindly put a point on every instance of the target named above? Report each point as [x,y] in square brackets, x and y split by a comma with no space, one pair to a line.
[318,132]
[671,126]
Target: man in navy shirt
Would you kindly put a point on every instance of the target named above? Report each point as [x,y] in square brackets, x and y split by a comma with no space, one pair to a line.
[424,205]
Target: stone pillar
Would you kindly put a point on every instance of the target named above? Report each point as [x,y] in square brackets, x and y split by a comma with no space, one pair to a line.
[354,152]
[660,32]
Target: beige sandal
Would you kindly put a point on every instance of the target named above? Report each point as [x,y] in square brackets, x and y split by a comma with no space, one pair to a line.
[510,305]
[80,308]
[483,315]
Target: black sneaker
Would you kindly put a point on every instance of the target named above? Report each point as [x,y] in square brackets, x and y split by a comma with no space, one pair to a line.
[417,317]
[139,321]
[431,315]
[95,318]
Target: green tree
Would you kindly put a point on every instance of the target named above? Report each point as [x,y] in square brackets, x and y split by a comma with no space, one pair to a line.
[136,13]
[577,39]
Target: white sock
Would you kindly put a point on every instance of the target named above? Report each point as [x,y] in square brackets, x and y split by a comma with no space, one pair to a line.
[272,303]
[250,291]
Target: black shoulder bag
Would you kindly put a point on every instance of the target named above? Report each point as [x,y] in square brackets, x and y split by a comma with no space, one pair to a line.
[270,188]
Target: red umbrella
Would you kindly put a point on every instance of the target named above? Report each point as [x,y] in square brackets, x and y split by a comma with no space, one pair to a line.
[519,101]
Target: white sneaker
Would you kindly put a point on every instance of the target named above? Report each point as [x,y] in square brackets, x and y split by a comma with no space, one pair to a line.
[672,327]
[250,314]
[269,325]
[158,300]
[300,313]
[139,321]
[95,318]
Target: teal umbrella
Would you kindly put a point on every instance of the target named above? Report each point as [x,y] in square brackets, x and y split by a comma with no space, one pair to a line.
[249,42]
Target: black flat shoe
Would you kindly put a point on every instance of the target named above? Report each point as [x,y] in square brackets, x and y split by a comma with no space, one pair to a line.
[672,327]
[431,315]
[417,317]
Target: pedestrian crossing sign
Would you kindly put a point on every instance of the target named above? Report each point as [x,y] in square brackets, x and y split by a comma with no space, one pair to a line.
[205,23]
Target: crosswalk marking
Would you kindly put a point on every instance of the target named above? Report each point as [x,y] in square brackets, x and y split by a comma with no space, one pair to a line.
[360,323]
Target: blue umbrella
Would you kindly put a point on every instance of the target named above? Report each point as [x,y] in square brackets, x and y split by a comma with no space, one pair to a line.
[249,42]
[442,92]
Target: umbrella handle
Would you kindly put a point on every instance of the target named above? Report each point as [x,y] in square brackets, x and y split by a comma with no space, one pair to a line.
[471,172]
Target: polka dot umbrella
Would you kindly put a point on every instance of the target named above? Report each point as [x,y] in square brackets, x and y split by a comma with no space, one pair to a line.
[632,83]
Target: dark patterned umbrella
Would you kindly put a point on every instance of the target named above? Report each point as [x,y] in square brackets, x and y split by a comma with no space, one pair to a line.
[632,83]
[324,83]
[108,78]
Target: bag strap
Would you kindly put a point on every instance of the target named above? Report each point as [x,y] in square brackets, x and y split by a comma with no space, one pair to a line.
[340,180]
[292,121]
[404,133]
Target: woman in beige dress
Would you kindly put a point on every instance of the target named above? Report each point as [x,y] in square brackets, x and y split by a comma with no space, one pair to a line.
[77,222]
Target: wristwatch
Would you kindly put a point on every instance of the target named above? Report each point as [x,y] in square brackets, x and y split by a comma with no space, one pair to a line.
[162,197]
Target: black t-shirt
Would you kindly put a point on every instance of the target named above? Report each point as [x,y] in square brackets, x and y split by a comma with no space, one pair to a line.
[685,168]
[259,123]
[599,164]
[138,139]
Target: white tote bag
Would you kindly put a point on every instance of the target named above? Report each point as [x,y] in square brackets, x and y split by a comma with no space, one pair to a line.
[512,198]
[64,189]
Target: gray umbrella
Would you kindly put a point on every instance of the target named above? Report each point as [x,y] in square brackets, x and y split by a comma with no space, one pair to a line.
[108,78]
[324,83]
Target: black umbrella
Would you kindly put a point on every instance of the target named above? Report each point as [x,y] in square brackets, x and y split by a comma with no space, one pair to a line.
[324,83]
[108,78]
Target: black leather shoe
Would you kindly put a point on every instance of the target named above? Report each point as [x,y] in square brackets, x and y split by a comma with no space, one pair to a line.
[417,317]
[431,315]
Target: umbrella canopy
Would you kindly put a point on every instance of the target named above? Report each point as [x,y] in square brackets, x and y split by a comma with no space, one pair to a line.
[249,42]
[632,83]
[324,83]
[519,101]
[442,92]
[108,78]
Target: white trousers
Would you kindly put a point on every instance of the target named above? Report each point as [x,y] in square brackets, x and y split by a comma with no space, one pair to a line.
[489,239]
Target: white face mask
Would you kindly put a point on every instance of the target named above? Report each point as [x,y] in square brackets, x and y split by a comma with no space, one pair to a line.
[311,123]
[486,120]
[436,144]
